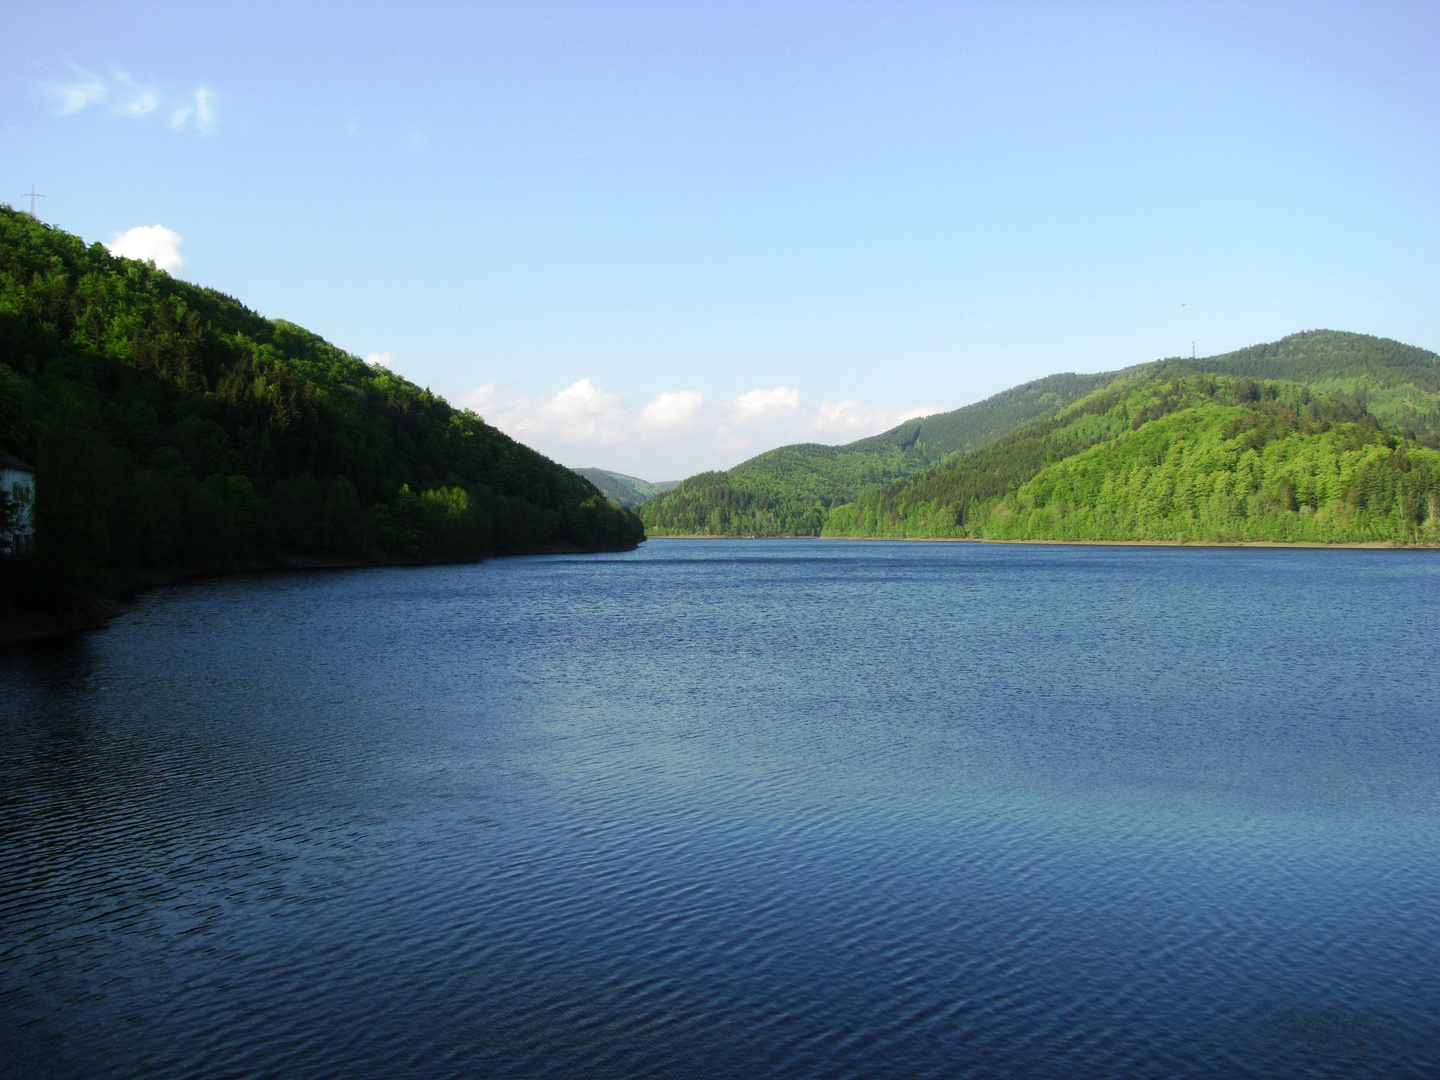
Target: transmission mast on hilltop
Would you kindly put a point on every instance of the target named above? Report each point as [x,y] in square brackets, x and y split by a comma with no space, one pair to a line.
[32,195]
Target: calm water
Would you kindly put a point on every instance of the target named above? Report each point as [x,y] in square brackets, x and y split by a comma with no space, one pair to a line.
[744,809]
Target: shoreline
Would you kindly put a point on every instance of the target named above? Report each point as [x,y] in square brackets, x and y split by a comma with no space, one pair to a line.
[22,625]
[1347,545]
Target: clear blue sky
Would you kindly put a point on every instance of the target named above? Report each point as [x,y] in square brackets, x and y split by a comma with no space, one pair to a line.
[854,209]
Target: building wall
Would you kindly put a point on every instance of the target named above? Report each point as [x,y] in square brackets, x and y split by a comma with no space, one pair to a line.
[20,486]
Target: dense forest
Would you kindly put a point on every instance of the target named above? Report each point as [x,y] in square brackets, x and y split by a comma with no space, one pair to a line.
[916,478]
[173,428]
[784,492]
[622,489]
[1176,458]
[789,491]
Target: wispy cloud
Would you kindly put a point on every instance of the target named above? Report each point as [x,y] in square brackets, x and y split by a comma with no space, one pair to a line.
[676,433]
[77,93]
[381,359]
[134,100]
[198,112]
[150,243]
[121,95]
[140,104]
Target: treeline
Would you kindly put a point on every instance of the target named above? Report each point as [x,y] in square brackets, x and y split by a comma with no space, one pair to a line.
[783,492]
[173,427]
[1200,458]
[710,505]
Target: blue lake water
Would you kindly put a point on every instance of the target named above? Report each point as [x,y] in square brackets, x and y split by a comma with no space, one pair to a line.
[736,809]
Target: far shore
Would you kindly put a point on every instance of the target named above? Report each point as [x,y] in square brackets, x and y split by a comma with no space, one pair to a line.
[1376,545]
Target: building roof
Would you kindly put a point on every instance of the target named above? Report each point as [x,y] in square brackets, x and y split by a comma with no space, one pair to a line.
[10,461]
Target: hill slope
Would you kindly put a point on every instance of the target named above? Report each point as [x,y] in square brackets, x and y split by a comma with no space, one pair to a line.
[625,490]
[170,425]
[1175,457]
[789,491]
[792,491]
[1398,384]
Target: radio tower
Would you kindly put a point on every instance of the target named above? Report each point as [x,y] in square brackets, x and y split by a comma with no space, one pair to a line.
[32,195]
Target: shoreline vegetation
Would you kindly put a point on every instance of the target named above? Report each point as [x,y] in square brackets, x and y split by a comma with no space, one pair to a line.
[172,427]
[1368,545]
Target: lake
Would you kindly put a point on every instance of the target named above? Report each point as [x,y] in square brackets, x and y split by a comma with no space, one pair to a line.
[723,809]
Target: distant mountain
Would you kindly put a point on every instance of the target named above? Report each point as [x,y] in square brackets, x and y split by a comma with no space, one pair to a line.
[625,490]
[790,490]
[1175,456]
[172,427]
[793,491]
[940,435]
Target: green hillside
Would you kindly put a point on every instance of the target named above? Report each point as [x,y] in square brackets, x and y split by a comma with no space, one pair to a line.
[793,491]
[173,427]
[789,491]
[625,490]
[1176,457]
[1399,385]
[941,435]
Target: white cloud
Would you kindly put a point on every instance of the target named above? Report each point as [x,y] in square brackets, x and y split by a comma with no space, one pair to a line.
[129,99]
[150,243]
[671,410]
[676,433]
[80,93]
[481,399]
[758,406]
[140,104]
[580,415]
[137,101]
[382,359]
[198,109]
[843,417]
[204,111]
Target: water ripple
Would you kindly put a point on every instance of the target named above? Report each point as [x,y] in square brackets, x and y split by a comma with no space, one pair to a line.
[722,810]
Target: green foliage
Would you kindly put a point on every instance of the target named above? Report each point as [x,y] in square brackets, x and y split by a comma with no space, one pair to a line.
[1399,385]
[625,490]
[1195,457]
[172,426]
[1231,474]
[787,491]
[944,435]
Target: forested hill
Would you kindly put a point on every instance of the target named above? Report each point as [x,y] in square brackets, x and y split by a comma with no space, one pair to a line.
[173,427]
[625,490]
[1176,457]
[789,491]
[792,491]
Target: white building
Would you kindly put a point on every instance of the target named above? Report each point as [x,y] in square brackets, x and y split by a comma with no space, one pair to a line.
[17,480]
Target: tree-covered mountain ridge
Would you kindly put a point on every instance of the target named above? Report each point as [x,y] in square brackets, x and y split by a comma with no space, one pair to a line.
[1177,458]
[624,489]
[790,490]
[795,490]
[172,426]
